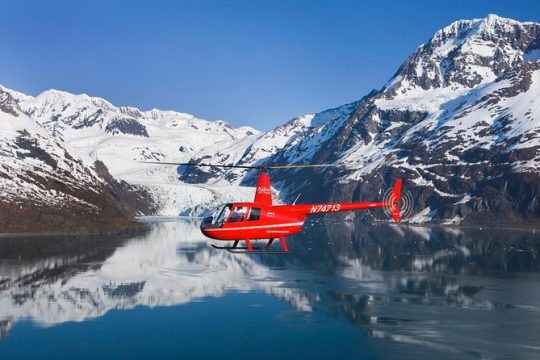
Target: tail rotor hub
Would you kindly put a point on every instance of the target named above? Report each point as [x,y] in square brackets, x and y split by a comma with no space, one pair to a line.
[405,203]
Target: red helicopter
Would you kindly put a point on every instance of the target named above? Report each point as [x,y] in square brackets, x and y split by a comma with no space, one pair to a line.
[260,219]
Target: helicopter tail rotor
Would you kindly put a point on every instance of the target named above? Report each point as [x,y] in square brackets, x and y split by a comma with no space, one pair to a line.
[399,203]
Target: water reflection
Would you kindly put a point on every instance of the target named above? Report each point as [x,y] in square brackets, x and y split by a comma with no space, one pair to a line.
[462,292]
[171,265]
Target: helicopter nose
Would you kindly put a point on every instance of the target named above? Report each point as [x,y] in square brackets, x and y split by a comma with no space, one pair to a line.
[204,229]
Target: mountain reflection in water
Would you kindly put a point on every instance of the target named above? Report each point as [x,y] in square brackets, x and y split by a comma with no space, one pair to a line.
[459,292]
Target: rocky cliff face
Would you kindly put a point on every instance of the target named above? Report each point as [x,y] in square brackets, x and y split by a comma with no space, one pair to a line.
[459,122]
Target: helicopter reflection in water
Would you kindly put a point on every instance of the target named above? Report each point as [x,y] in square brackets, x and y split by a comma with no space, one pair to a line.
[430,288]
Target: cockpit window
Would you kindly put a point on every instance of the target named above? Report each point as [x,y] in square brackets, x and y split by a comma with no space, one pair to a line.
[254,214]
[222,215]
[238,214]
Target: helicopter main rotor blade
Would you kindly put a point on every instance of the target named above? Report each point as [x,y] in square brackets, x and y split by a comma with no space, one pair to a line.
[261,167]
[202,164]
[304,166]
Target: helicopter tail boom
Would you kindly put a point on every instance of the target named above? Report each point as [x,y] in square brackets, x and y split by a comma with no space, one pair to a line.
[392,203]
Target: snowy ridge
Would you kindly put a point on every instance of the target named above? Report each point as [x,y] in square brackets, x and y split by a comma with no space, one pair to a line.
[94,128]
[31,159]
[262,149]
[44,187]
[124,137]
[465,54]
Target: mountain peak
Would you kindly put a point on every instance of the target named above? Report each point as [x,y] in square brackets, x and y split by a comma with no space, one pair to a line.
[8,104]
[469,27]
[492,19]
[54,96]
[464,54]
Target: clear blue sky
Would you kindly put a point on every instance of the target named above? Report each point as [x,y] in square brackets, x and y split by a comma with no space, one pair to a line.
[250,62]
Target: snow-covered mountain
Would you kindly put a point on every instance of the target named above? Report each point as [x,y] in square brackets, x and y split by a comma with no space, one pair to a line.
[95,129]
[459,121]
[260,149]
[123,137]
[45,188]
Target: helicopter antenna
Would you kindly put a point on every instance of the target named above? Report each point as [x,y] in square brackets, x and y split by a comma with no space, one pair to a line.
[295,200]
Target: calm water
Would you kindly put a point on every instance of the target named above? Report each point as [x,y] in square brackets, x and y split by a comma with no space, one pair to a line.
[346,291]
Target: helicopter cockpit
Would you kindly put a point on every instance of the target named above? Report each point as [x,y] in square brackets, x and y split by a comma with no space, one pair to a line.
[218,216]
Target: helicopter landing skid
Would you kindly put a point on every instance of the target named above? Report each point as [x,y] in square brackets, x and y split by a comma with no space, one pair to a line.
[255,251]
[235,249]
[245,250]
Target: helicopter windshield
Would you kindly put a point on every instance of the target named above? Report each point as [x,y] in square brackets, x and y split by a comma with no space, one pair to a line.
[220,219]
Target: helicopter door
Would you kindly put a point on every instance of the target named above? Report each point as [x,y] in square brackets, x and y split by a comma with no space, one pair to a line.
[238,214]
[254,214]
